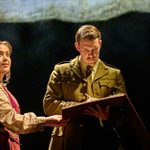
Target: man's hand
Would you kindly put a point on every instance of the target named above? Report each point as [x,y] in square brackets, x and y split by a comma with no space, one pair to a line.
[99,112]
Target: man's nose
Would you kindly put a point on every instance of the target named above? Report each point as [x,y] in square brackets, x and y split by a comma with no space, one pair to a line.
[91,52]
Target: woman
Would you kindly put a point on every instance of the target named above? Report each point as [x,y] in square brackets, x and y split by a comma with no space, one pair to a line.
[12,123]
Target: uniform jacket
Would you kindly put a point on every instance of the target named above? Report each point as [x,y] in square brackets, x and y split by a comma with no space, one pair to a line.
[67,86]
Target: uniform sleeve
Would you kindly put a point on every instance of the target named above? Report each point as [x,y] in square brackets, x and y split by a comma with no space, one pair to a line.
[53,102]
[121,87]
[15,122]
[118,116]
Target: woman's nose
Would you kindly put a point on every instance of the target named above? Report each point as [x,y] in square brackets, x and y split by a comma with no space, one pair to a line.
[5,57]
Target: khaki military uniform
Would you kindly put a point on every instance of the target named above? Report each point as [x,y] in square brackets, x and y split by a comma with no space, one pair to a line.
[68,86]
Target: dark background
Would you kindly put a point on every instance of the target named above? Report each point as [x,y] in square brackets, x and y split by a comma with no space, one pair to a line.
[37,47]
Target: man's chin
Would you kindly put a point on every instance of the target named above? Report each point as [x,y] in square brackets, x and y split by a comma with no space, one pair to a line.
[92,63]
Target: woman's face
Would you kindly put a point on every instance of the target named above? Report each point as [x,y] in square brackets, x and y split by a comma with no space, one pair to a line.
[5,60]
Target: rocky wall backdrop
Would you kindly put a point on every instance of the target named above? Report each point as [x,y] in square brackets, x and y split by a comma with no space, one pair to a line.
[42,41]
[68,10]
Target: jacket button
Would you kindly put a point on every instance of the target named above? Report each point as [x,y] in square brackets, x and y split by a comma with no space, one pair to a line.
[80,125]
[84,84]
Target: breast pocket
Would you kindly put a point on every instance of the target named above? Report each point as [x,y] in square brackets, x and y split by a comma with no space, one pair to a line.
[71,89]
[107,87]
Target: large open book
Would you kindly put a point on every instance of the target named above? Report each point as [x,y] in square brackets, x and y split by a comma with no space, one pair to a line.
[115,101]
[78,109]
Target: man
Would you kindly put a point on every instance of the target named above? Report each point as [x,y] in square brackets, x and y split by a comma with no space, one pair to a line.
[69,84]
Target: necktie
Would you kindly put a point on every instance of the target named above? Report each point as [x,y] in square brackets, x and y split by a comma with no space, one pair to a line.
[89,80]
[88,71]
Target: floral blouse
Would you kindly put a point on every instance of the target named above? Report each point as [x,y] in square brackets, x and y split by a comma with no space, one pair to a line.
[12,121]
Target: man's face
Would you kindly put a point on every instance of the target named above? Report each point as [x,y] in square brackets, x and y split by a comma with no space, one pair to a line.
[89,50]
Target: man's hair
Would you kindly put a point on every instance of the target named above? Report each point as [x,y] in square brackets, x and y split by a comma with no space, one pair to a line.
[87,32]
[7,76]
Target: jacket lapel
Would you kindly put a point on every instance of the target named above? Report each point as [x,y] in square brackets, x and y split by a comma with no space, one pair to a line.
[101,70]
[75,65]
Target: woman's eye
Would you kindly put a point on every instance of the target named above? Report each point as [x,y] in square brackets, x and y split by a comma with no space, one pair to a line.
[8,55]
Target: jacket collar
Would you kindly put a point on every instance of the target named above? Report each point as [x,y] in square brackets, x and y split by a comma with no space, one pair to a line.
[76,68]
[101,70]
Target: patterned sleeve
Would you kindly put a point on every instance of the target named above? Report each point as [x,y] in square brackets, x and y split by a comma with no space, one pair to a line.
[15,122]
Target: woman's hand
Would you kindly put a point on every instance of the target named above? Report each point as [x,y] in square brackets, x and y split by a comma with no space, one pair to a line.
[55,121]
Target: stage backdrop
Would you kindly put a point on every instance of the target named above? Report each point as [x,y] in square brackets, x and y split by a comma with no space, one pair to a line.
[38,46]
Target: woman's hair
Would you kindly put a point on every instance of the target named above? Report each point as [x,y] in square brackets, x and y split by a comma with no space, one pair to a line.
[87,32]
[7,76]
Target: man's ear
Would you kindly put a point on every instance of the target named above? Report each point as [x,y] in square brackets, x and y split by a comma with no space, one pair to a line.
[76,46]
[100,43]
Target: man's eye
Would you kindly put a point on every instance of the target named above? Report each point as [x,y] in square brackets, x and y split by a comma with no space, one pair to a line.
[86,50]
[95,49]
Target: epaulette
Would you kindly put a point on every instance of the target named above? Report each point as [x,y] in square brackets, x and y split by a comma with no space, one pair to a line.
[63,62]
[110,65]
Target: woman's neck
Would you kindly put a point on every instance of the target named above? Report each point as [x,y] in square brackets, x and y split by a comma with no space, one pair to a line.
[1,78]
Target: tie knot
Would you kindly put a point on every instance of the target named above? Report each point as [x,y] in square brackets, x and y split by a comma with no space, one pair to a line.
[88,70]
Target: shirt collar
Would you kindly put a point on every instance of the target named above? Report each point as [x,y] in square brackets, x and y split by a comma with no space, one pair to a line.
[83,66]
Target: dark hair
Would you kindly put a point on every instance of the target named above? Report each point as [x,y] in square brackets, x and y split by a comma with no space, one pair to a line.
[87,32]
[7,76]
